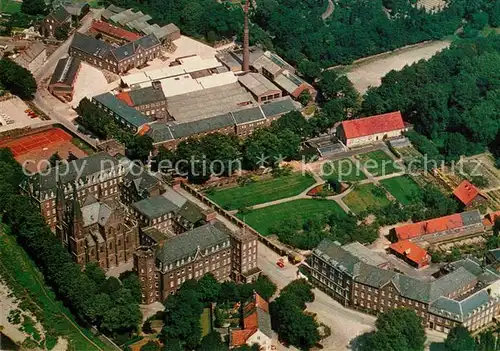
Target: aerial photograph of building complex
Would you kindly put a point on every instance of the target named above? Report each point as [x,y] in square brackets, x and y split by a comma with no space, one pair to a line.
[257,175]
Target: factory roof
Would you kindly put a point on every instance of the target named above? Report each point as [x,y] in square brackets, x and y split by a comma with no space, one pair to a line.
[142,96]
[114,31]
[257,84]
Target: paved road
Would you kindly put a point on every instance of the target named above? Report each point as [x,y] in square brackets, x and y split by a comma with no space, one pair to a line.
[43,99]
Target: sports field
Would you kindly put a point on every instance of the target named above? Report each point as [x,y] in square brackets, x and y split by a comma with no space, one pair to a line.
[378,163]
[343,170]
[261,191]
[364,197]
[264,218]
[403,188]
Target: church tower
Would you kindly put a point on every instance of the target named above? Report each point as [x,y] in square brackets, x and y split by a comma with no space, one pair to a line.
[75,228]
[60,212]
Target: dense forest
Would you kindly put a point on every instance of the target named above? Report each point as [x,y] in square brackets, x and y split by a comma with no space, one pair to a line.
[295,29]
[453,99]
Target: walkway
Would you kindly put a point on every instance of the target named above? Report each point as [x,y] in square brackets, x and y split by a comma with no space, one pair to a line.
[329,10]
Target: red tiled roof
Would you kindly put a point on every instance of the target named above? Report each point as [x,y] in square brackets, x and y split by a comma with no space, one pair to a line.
[490,218]
[466,192]
[430,226]
[261,303]
[125,97]
[240,337]
[388,122]
[113,31]
[411,251]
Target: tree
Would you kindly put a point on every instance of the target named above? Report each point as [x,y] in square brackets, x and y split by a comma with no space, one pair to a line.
[495,14]
[264,287]
[305,97]
[150,346]
[212,342]
[33,7]
[130,281]
[18,80]
[62,32]
[54,159]
[459,339]
[94,272]
[140,147]
[310,70]
[294,121]
[400,329]
[208,288]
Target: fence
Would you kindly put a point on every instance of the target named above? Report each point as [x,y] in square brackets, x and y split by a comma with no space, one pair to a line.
[282,251]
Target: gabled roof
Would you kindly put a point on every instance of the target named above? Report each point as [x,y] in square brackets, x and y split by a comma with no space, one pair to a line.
[411,251]
[129,114]
[466,192]
[90,45]
[66,71]
[154,207]
[278,106]
[384,123]
[189,243]
[457,220]
[462,310]
[114,31]
[60,14]
[255,317]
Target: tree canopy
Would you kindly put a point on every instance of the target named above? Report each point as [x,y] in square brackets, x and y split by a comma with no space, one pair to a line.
[16,79]
[400,329]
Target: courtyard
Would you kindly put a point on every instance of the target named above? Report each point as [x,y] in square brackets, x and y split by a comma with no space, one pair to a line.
[364,197]
[264,219]
[261,191]
[403,188]
[378,163]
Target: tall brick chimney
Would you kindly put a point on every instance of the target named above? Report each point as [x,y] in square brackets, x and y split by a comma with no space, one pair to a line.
[246,44]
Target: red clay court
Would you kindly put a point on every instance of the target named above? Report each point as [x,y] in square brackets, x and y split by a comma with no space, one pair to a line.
[40,146]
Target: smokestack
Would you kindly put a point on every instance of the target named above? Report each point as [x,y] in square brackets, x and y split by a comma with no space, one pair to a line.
[246,44]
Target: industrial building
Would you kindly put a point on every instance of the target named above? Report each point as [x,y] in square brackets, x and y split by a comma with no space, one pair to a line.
[63,79]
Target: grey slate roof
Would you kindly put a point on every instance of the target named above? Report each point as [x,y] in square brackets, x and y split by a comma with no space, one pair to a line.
[75,9]
[129,114]
[187,244]
[66,70]
[201,126]
[191,212]
[248,115]
[365,254]
[60,14]
[96,213]
[154,207]
[335,255]
[160,132]
[146,95]
[460,311]
[90,45]
[277,107]
[264,322]
[68,174]
[124,51]
[471,217]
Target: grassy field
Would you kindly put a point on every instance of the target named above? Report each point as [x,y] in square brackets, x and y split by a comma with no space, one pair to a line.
[205,320]
[21,275]
[261,191]
[378,163]
[364,197]
[343,170]
[263,219]
[9,6]
[83,146]
[402,188]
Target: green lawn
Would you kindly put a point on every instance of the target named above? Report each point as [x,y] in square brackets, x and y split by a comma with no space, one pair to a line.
[261,191]
[364,197]
[206,322]
[343,170]
[378,163]
[83,146]
[402,188]
[10,6]
[26,283]
[264,218]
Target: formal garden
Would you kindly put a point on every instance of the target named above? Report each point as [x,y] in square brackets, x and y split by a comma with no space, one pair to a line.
[366,196]
[378,163]
[403,188]
[344,170]
[254,191]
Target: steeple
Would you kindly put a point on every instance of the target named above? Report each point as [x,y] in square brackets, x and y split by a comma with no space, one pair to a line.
[60,201]
[76,213]
[246,43]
